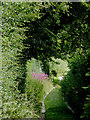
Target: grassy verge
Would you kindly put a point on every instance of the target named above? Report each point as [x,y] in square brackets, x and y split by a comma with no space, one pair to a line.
[47,85]
[56,109]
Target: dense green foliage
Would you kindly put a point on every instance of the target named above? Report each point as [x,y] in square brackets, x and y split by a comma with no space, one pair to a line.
[55,81]
[74,81]
[42,31]
[13,66]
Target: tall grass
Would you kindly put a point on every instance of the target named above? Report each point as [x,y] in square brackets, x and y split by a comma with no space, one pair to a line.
[37,84]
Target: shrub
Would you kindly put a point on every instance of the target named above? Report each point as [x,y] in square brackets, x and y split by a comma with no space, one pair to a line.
[16,105]
[86,108]
[72,84]
[13,65]
[55,81]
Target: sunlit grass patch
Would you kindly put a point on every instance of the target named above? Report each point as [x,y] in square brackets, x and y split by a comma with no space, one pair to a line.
[56,107]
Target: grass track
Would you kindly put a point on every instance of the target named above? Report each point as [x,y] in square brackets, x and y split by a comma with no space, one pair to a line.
[56,109]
